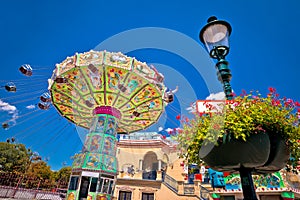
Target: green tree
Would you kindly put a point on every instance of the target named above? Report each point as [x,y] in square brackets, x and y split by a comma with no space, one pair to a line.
[40,169]
[14,157]
[63,174]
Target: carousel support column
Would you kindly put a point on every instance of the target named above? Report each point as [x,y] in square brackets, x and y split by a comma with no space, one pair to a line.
[247,184]
[101,151]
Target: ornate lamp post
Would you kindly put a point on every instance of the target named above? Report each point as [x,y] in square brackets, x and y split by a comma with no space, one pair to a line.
[215,37]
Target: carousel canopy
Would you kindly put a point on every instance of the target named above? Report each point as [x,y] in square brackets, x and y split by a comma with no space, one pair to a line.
[86,81]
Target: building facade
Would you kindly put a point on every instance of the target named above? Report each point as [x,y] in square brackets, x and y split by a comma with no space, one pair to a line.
[149,169]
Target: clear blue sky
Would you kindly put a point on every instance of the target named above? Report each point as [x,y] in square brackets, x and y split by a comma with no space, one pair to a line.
[263,53]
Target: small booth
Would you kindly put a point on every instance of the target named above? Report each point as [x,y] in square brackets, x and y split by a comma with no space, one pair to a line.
[91,185]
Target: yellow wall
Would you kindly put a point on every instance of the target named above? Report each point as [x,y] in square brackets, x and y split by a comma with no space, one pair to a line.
[132,154]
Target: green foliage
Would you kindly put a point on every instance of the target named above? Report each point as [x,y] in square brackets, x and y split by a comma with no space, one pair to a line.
[14,157]
[22,162]
[17,158]
[245,115]
[63,174]
[40,169]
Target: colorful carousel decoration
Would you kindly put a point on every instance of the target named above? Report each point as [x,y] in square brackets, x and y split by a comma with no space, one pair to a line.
[107,93]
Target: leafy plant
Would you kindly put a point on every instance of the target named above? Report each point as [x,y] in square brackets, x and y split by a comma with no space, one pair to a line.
[247,114]
[13,157]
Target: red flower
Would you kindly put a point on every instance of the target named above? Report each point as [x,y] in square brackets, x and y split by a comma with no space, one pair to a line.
[297,104]
[178,117]
[229,101]
[272,90]
[284,98]
[275,102]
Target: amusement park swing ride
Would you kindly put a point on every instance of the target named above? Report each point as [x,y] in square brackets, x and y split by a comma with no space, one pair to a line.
[107,94]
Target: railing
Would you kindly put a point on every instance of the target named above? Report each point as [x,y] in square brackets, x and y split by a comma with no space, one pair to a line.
[171,183]
[145,137]
[181,188]
[29,182]
[14,185]
[204,193]
[21,193]
[188,188]
[152,175]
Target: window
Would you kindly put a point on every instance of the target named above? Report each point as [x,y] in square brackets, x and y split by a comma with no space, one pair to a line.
[73,183]
[147,196]
[124,195]
[106,185]
[93,185]
[110,187]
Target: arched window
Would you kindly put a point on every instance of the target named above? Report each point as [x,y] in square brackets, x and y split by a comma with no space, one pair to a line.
[150,165]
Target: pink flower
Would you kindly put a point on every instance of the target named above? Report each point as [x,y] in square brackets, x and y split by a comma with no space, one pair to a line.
[260,129]
[232,94]
[216,126]
[179,130]
[244,93]
[289,103]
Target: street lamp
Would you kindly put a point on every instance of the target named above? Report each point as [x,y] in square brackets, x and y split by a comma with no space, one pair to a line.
[215,37]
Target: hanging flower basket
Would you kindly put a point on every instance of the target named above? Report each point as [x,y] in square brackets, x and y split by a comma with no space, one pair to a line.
[261,133]
[236,153]
[260,152]
[278,157]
